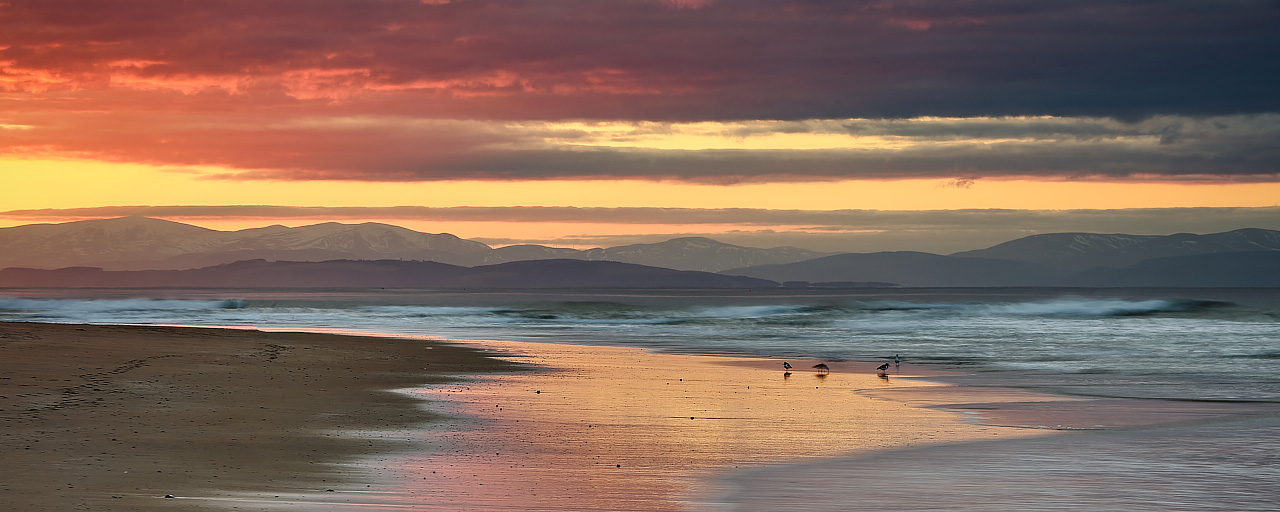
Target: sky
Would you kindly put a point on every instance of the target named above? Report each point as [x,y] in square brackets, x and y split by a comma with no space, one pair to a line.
[832,125]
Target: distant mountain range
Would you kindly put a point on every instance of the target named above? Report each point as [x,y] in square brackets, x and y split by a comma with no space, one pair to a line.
[164,253]
[385,274]
[141,243]
[1082,251]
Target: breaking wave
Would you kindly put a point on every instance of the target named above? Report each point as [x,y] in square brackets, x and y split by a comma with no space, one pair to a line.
[84,309]
[591,312]
[1107,307]
[1230,346]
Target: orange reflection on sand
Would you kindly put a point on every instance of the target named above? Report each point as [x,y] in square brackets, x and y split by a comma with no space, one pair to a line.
[622,429]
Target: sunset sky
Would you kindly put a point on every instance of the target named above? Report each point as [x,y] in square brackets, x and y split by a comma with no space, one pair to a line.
[831,125]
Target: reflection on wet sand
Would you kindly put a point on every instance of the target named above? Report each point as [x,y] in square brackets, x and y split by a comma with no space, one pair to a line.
[1226,464]
[621,429]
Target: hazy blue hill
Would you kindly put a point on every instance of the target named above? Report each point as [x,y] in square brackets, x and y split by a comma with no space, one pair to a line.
[1231,269]
[1187,244]
[383,274]
[699,253]
[1225,269]
[1063,250]
[1081,251]
[326,274]
[687,253]
[538,252]
[587,274]
[908,269]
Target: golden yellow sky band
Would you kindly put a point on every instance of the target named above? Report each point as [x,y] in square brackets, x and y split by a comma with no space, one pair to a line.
[34,184]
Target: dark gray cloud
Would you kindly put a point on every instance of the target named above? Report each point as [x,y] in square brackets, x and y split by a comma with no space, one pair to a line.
[1241,148]
[643,59]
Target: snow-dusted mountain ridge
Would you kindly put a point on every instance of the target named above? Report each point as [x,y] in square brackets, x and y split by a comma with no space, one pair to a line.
[141,243]
[1081,251]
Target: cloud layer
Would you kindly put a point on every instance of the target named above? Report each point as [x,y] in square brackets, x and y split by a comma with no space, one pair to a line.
[432,90]
[746,59]
[1236,148]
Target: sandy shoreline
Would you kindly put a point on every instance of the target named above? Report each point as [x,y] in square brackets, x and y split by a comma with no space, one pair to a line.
[115,418]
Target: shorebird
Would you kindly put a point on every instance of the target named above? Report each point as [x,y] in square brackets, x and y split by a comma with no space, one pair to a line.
[882,368]
[786,365]
[896,359]
[822,367]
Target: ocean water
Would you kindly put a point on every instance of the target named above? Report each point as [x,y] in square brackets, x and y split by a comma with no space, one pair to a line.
[1200,344]
[1219,346]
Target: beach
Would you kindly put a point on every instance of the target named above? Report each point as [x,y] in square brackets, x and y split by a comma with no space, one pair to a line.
[119,417]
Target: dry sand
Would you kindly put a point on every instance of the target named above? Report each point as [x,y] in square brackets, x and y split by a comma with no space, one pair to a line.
[115,418]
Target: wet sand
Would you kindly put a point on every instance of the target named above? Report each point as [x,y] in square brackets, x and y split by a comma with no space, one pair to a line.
[619,429]
[115,418]
[1107,454]
[1228,463]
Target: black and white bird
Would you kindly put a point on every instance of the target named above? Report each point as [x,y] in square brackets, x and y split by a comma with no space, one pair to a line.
[896,360]
[883,367]
[786,365]
[822,367]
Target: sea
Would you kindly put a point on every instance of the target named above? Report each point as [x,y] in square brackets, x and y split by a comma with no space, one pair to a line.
[1206,345]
